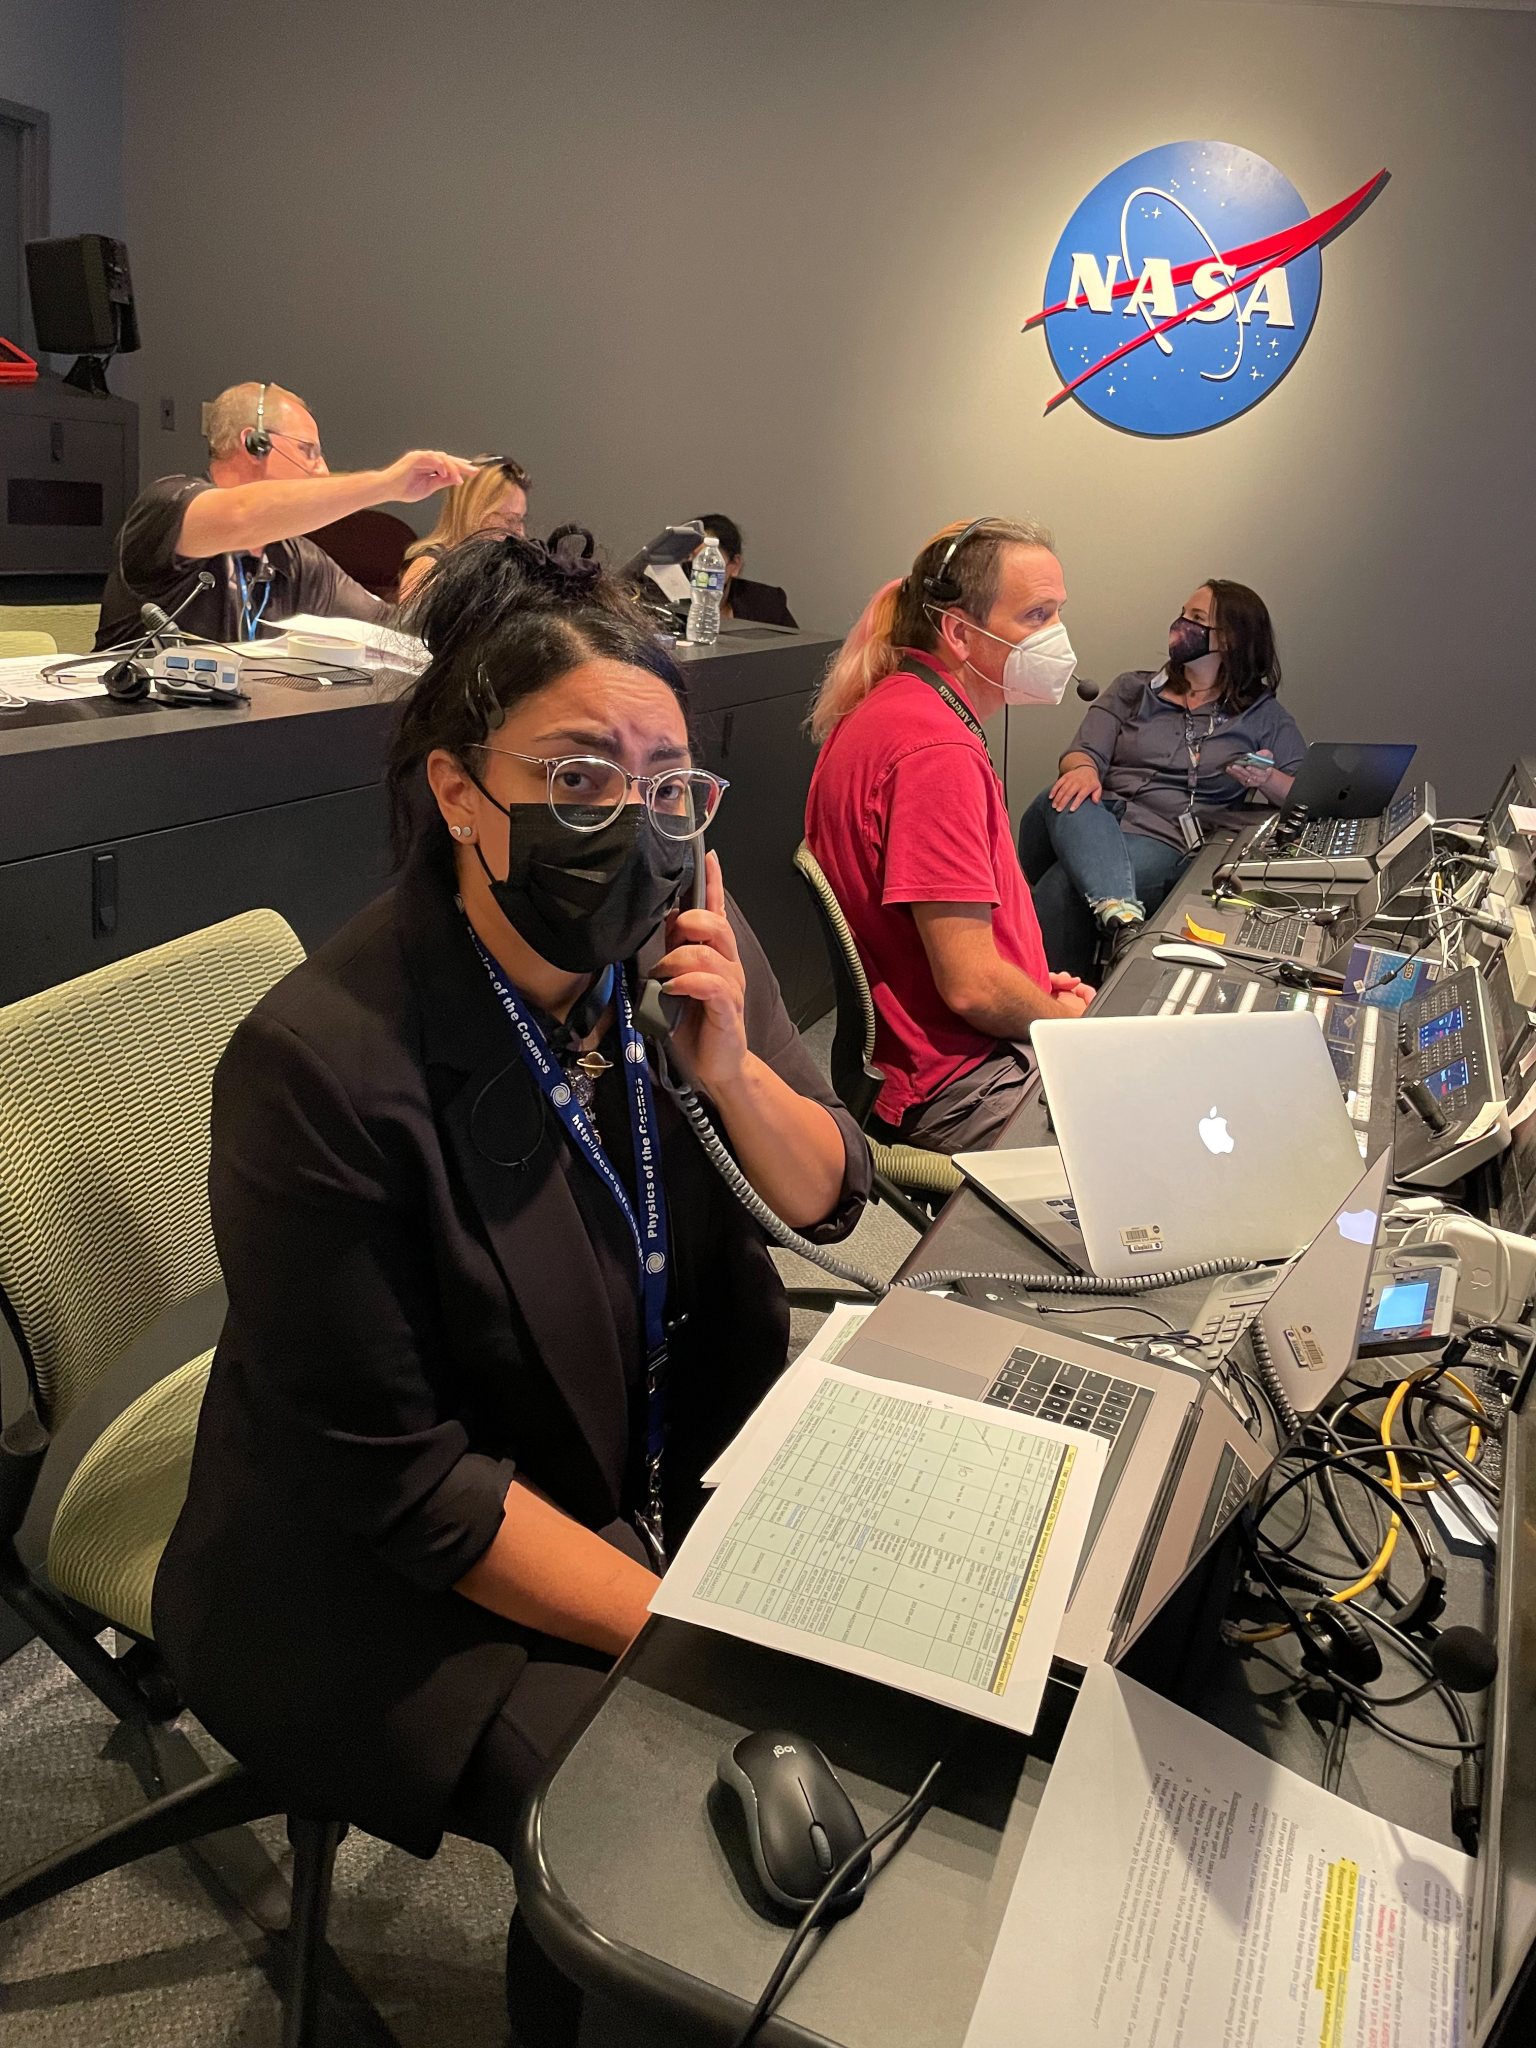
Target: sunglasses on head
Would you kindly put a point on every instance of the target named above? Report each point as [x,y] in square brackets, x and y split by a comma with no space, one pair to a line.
[510,469]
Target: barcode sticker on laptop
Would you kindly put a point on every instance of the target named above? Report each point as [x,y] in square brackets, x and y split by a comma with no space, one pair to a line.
[1305,1348]
[1144,1237]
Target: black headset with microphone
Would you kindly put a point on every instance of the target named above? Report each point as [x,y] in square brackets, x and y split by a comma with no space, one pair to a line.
[257,441]
[941,587]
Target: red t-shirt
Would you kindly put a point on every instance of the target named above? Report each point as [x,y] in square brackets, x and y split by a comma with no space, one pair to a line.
[905,807]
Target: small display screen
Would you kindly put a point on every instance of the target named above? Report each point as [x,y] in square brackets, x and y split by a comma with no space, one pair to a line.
[1403,1306]
[1446,1025]
[1448,1080]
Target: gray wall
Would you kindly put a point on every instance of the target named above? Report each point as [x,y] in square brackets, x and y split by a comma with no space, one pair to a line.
[476,233]
[66,57]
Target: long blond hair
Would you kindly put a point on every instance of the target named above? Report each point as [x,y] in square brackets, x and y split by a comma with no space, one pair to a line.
[464,508]
[900,614]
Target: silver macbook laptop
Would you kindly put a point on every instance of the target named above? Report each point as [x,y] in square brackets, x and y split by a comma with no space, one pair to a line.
[1193,1138]
[1308,1310]
[1176,1449]
[1181,1462]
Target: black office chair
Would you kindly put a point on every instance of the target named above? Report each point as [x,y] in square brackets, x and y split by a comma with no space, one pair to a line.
[914,1182]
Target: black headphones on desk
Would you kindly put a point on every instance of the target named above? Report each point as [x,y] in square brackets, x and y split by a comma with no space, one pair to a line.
[131,681]
[257,441]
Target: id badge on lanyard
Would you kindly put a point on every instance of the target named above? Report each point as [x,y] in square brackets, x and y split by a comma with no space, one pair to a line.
[647,1226]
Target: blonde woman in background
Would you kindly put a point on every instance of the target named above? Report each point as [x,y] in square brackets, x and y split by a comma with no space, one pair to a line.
[494,500]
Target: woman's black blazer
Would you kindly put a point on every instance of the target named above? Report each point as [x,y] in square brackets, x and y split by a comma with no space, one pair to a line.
[416,1311]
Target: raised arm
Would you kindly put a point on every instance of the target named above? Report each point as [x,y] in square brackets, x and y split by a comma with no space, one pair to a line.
[244,517]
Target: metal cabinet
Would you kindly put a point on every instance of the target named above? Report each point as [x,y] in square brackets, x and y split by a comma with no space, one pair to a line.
[69,465]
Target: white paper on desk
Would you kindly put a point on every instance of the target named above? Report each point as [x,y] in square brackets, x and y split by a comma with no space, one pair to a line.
[1179,1889]
[825,1348]
[22,676]
[403,650]
[919,1539]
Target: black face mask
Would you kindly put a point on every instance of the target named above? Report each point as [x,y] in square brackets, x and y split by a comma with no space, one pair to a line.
[1187,641]
[584,900]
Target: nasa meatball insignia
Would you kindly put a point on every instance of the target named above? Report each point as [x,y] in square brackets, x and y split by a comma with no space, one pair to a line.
[1211,254]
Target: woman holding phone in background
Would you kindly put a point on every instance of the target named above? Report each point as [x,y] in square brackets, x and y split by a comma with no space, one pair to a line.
[1159,759]
[484,1330]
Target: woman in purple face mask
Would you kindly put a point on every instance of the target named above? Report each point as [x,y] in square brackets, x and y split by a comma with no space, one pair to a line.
[1159,759]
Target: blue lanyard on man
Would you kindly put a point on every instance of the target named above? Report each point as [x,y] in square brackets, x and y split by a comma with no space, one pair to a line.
[648,1228]
[248,624]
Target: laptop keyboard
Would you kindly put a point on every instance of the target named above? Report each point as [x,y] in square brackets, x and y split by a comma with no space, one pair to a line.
[1100,1403]
[1034,1385]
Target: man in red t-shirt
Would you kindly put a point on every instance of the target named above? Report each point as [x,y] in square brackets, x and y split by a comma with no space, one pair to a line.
[907,818]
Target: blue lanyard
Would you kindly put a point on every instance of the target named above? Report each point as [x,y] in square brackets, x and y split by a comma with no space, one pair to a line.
[248,624]
[648,1229]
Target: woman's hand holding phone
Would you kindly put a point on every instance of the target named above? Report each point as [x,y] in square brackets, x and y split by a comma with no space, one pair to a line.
[702,963]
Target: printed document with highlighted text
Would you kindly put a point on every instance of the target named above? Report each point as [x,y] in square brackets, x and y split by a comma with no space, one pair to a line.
[917,1538]
[1181,1891]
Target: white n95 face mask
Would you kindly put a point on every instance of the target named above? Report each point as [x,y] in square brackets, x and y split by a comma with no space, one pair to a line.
[1039,669]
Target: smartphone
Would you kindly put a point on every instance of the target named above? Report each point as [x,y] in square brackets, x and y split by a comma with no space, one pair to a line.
[1255,761]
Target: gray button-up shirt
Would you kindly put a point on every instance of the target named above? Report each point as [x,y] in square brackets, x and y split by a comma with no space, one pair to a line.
[1140,741]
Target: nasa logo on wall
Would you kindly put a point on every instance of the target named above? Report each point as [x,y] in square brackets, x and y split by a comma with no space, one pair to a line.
[1185,287]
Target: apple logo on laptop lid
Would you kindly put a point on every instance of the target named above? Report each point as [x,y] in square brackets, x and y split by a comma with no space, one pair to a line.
[1214,1135]
[1357,1226]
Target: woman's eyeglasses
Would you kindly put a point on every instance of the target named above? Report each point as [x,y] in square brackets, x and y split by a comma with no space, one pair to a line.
[586,792]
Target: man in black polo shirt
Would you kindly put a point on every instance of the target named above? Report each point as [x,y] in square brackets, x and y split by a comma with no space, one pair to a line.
[267,486]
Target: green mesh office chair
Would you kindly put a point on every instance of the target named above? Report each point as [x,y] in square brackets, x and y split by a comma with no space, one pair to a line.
[21,641]
[914,1182]
[105,1087]
[71,627]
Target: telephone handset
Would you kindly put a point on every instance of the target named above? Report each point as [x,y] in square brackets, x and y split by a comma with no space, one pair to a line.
[656,1013]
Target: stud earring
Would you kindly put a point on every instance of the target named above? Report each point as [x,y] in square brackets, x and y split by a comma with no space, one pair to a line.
[463,831]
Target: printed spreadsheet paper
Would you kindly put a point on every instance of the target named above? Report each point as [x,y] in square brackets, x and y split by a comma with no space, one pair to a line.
[827,1345]
[916,1538]
[1179,1890]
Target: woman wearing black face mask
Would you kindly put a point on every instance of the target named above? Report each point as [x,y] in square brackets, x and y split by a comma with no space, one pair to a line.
[490,1309]
[1159,759]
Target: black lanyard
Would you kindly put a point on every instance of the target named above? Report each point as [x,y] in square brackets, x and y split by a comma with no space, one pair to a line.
[914,664]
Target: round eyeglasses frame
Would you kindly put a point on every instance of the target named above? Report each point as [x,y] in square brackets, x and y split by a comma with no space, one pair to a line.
[646,784]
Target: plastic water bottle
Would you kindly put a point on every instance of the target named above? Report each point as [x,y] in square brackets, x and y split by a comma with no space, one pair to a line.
[708,589]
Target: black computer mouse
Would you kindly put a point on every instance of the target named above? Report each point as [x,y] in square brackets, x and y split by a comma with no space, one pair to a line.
[799,1821]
